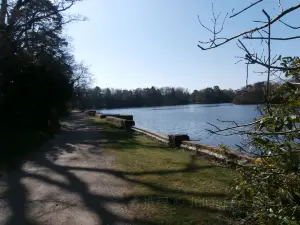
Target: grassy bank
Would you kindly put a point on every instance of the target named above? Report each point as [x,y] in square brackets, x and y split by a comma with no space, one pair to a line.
[171,186]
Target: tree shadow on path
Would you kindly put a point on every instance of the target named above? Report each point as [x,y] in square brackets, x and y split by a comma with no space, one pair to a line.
[82,132]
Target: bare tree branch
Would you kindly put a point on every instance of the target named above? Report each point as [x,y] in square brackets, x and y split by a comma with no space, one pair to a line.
[214,20]
[258,21]
[248,7]
[204,25]
[235,127]
[278,17]
[295,28]
[15,11]
[276,39]
[249,57]
[280,6]
[269,57]
[247,132]
[208,42]
[238,61]
[228,121]
[276,133]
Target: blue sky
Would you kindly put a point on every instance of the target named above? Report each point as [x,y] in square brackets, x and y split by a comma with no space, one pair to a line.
[143,43]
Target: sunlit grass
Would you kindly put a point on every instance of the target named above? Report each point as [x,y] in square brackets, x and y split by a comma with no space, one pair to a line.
[171,186]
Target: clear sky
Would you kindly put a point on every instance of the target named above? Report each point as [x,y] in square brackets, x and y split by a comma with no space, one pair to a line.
[143,43]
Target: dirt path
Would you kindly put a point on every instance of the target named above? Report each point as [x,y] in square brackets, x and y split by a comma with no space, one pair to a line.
[70,181]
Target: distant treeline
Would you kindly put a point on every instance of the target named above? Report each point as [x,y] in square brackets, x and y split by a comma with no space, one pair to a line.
[143,97]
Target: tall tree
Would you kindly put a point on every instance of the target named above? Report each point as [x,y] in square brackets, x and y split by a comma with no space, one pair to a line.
[37,69]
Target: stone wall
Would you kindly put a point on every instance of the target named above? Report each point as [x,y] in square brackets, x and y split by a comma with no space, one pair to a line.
[182,141]
[120,123]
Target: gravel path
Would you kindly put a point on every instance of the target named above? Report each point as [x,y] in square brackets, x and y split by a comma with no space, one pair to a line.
[70,181]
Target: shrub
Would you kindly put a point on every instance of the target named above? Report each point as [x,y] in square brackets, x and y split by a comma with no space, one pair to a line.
[269,191]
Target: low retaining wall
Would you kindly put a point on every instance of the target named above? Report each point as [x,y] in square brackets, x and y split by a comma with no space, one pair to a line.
[90,112]
[216,152]
[121,123]
[120,116]
[125,117]
[206,153]
[212,152]
[158,137]
[103,116]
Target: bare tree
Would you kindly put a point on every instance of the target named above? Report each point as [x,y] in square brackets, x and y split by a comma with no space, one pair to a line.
[82,78]
[271,64]
[262,33]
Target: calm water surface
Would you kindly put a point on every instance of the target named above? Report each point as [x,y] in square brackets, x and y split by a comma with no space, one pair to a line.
[191,120]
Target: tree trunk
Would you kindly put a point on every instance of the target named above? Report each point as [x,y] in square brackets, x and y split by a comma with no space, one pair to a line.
[3,12]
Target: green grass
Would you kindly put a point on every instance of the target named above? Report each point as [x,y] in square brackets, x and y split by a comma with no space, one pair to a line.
[171,186]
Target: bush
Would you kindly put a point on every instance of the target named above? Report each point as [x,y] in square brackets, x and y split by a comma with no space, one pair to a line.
[268,193]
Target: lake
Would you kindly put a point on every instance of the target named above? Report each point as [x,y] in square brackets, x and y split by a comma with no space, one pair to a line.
[191,120]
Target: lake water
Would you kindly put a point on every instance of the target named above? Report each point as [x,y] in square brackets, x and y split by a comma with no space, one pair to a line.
[191,120]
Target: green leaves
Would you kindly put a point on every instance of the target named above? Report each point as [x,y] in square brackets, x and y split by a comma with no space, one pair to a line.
[250,193]
[277,123]
[261,141]
[288,124]
[269,192]
[289,121]
[278,127]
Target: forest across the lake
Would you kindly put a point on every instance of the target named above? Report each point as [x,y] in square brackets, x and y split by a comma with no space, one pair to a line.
[153,96]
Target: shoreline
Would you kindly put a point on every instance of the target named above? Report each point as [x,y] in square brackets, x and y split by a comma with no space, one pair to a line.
[191,120]
[143,107]
[224,155]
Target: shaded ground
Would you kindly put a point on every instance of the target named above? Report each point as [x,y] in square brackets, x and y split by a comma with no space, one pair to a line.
[93,174]
[67,182]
